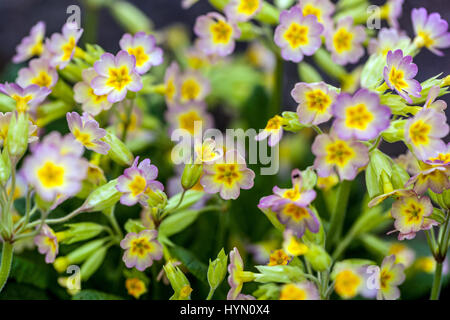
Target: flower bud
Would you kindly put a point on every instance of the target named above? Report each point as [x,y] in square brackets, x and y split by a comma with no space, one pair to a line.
[309,178]
[191,175]
[395,132]
[217,270]
[93,263]
[156,198]
[131,18]
[319,259]
[378,173]
[17,139]
[5,167]
[280,273]
[135,226]
[118,152]
[291,122]
[399,176]
[79,232]
[51,111]
[102,198]
[180,284]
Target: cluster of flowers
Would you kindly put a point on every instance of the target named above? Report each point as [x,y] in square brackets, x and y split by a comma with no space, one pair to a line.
[390,105]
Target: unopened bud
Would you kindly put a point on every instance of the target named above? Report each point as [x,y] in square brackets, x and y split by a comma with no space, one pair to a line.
[217,270]
[118,152]
[102,198]
[319,259]
[191,175]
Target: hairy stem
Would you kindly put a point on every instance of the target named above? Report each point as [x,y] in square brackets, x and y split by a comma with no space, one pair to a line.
[337,219]
[5,268]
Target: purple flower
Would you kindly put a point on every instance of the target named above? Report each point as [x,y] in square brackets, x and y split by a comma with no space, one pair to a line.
[193,87]
[87,131]
[62,46]
[430,30]
[424,132]
[360,117]
[31,45]
[216,34]
[393,11]
[116,76]
[305,290]
[273,130]
[47,243]
[322,9]
[388,40]
[399,75]
[137,182]
[390,276]
[314,102]
[431,102]
[172,84]
[28,98]
[237,276]
[39,72]
[345,41]
[143,47]
[242,10]
[189,117]
[67,145]
[141,249]
[297,35]
[433,175]
[334,154]
[84,94]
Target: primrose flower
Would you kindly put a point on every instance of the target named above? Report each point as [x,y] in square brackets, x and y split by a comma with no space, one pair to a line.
[278,258]
[403,254]
[273,130]
[135,287]
[87,131]
[141,249]
[326,183]
[193,87]
[31,45]
[350,280]
[62,46]
[116,76]
[67,145]
[143,47]
[304,290]
[392,11]
[237,275]
[399,75]
[207,151]
[53,174]
[434,175]
[296,195]
[216,34]
[26,98]
[334,154]
[391,275]
[242,10]
[298,35]
[47,243]
[409,214]
[345,41]
[39,72]
[431,102]
[291,244]
[137,182]
[443,157]
[296,218]
[84,94]
[314,101]
[322,9]
[431,31]
[172,84]
[190,117]
[361,116]
[227,176]
[424,132]
[388,40]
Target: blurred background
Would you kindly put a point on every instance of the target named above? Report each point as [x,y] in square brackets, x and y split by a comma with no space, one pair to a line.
[18,16]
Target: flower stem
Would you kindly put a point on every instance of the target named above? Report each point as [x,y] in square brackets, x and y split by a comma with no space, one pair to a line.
[5,268]
[277,94]
[437,282]
[337,219]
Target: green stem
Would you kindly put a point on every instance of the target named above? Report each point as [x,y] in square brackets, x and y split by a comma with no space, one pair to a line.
[437,282]
[210,294]
[5,268]
[337,219]
[115,225]
[277,94]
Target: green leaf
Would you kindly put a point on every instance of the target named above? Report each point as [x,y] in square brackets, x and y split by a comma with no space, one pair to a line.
[190,197]
[94,295]
[178,222]
[196,267]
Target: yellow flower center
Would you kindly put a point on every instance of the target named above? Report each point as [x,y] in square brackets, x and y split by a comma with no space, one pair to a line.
[339,153]
[342,40]
[51,175]
[190,90]
[118,78]
[95,98]
[221,32]
[83,137]
[187,121]
[358,117]
[139,54]
[413,211]
[296,248]
[397,78]
[297,213]
[419,131]
[248,7]
[292,194]
[385,277]
[137,185]
[22,102]
[43,79]
[310,9]
[226,173]
[296,35]
[425,39]
[141,247]
[68,48]
[347,284]
[292,292]
[317,100]
[445,157]
[274,123]
[135,287]
[37,49]
[170,90]
[278,258]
